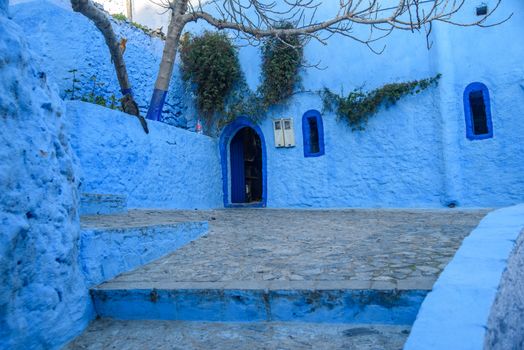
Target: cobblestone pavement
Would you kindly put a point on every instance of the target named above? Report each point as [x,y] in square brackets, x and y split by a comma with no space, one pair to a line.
[160,335]
[250,245]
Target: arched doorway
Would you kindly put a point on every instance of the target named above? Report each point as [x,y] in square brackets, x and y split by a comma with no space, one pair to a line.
[243,154]
[245,158]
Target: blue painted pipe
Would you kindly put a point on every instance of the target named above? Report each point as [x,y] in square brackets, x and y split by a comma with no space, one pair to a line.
[156,105]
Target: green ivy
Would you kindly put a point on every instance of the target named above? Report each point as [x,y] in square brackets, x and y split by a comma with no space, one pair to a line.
[282,58]
[122,18]
[210,63]
[358,106]
[93,96]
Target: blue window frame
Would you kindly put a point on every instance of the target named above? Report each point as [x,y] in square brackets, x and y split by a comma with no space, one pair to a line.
[477,110]
[313,134]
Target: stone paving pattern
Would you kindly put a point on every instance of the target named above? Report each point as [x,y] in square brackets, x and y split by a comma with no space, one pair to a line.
[160,335]
[253,245]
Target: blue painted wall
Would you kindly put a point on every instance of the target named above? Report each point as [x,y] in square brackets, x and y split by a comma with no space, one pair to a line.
[65,40]
[43,298]
[167,168]
[416,153]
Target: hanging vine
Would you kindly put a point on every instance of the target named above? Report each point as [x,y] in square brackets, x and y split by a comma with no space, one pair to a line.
[210,63]
[282,58]
[358,106]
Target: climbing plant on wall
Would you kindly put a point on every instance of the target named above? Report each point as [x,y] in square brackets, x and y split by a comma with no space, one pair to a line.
[210,63]
[281,60]
[358,105]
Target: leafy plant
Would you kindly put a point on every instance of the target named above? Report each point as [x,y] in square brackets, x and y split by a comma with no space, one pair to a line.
[281,59]
[94,95]
[74,87]
[210,63]
[120,17]
[358,106]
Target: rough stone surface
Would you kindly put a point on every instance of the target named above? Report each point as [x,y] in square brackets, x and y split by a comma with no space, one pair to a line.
[43,299]
[3,7]
[112,334]
[102,204]
[294,245]
[65,40]
[167,168]
[459,306]
[105,252]
[506,322]
[226,304]
[413,154]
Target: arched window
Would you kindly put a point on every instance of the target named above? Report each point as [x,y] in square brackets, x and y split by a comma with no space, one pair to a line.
[313,134]
[477,111]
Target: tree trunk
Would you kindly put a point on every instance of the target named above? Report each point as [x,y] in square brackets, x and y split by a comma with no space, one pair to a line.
[99,18]
[174,31]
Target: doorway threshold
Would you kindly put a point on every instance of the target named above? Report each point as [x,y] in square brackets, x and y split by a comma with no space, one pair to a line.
[246,205]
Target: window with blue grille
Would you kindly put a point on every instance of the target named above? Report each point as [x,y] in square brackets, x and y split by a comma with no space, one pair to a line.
[477,110]
[313,134]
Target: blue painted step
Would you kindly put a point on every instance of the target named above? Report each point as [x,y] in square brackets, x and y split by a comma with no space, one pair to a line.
[193,303]
[106,252]
[102,204]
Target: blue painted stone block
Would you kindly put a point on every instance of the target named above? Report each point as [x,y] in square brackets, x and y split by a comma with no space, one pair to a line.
[236,305]
[102,204]
[107,252]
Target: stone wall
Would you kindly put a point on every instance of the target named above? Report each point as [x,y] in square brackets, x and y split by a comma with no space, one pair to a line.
[106,252]
[477,300]
[506,322]
[167,168]
[43,298]
[416,153]
[65,40]
[413,154]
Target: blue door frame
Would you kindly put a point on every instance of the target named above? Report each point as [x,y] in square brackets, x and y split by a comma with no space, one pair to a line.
[226,160]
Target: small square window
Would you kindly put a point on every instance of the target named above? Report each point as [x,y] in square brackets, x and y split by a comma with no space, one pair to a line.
[482,10]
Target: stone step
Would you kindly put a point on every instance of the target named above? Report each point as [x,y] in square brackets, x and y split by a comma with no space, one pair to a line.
[102,204]
[109,246]
[113,334]
[257,301]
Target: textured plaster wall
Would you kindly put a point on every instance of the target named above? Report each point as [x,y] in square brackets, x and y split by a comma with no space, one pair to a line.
[168,168]
[105,253]
[414,154]
[506,322]
[65,40]
[479,292]
[484,172]
[43,299]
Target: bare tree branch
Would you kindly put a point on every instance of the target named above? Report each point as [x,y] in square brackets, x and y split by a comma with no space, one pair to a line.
[102,22]
[254,20]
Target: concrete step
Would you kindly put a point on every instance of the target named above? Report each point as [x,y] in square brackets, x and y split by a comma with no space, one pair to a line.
[102,204]
[257,301]
[113,334]
[110,245]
